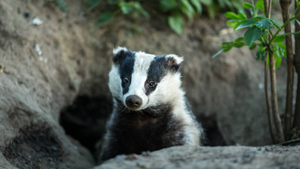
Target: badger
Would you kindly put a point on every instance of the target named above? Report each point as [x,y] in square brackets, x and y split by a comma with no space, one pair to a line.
[150,111]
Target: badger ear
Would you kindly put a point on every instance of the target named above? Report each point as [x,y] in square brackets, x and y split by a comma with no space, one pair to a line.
[174,62]
[119,54]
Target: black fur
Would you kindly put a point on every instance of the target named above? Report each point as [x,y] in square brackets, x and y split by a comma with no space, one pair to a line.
[157,70]
[159,67]
[121,55]
[147,130]
[126,64]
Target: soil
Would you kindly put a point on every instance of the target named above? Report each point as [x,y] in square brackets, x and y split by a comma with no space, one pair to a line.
[231,157]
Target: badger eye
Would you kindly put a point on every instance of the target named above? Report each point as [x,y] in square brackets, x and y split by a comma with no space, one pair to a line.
[126,80]
[151,84]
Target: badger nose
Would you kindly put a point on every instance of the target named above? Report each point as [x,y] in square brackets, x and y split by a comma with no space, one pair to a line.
[133,101]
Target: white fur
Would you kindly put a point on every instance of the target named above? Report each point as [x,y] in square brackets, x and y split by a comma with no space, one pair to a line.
[118,49]
[177,58]
[115,83]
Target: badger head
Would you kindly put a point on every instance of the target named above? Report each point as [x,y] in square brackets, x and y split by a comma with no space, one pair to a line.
[140,80]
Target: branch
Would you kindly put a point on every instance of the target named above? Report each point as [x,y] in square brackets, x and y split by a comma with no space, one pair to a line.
[296,122]
[290,68]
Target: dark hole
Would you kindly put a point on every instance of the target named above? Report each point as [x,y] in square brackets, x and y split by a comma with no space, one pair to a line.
[213,134]
[85,119]
[26,14]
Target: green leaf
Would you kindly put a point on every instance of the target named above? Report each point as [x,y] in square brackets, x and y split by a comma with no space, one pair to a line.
[232,23]
[260,5]
[275,23]
[298,22]
[226,46]
[277,61]
[279,39]
[280,48]
[298,3]
[245,24]
[197,5]
[264,23]
[207,2]
[238,40]
[263,56]
[218,53]
[61,5]
[242,16]
[104,18]
[167,5]
[93,3]
[258,54]
[247,5]
[126,7]
[239,45]
[211,11]
[253,46]
[257,18]
[187,9]
[140,9]
[231,15]
[176,22]
[252,34]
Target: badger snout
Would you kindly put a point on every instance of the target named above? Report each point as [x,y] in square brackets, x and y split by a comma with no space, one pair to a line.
[133,101]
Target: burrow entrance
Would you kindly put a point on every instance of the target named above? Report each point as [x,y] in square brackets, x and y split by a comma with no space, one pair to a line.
[85,119]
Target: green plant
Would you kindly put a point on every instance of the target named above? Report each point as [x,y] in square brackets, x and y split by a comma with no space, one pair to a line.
[263,34]
[177,9]
[61,5]
[133,8]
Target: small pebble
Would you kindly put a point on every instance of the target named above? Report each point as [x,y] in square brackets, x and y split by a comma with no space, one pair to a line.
[36,21]
[38,50]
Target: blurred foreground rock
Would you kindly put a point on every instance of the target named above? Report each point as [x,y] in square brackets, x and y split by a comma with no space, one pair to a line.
[233,157]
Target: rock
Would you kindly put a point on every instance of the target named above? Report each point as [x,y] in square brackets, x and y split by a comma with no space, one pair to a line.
[233,157]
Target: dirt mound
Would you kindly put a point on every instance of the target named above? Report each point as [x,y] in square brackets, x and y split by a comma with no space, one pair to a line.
[235,157]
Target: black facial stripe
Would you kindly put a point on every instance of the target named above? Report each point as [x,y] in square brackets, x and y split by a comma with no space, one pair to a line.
[157,70]
[126,70]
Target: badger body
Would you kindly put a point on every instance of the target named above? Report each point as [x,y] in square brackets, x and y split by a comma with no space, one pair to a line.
[150,109]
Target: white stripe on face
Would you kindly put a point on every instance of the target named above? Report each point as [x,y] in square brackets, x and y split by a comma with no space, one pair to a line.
[138,78]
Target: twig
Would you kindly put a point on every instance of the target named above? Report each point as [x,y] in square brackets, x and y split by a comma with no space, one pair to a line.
[286,143]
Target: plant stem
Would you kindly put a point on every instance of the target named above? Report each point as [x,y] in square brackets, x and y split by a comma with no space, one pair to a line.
[290,69]
[270,121]
[254,9]
[277,120]
[276,117]
[296,122]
